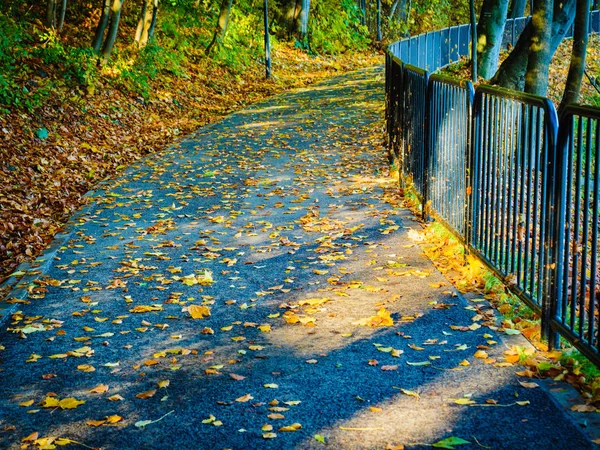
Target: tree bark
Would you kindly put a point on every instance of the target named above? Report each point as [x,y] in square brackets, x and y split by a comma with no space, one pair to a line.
[63,11]
[517,8]
[153,24]
[304,18]
[511,73]
[538,63]
[221,24]
[101,28]
[489,36]
[142,32]
[51,14]
[111,34]
[578,54]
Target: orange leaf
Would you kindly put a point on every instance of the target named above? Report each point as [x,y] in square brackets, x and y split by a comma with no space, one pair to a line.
[146,394]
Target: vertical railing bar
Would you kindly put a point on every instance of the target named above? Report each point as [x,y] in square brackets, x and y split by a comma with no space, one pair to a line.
[509,247]
[516,184]
[488,152]
[595,225]
[504,174]
[527,196]
[569,219]
[586,223]
[522,157]
[576,231]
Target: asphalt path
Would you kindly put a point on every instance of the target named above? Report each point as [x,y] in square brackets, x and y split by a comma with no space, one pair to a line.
[327,327]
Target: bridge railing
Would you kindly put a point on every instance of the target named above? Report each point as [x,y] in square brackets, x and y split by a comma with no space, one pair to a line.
[493,165]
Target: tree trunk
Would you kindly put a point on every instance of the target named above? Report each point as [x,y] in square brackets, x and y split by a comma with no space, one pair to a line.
[304,19]
[141,21]
[379,36]
[517,8]
[153,24]
[363,9]
[511,73]
[596,5]
[536,77]
[63,11]
[101,28]
[221,24]
[111,34]
[142,32]
[51,14]
[398,9]
[577,66]
[489,36]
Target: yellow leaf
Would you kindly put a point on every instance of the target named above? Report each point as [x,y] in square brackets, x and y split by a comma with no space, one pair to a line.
[146,308]
[292,427]
[198,312]
[275,416]
[113,419]
[244,398]
[27,403]
[464,401]
[86,368]
[96,423]
[70,403]
[375,409]
[267,427]
[480,354]
[271,386]
[163,383]
[50,402]
[265,328]
[115,398]
[32,437]
[101,388]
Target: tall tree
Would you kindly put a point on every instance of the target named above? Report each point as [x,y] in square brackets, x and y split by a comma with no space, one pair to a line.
[147,17]
[113,28]
[221,27]
[102,24]
[540,54]
[489,36]
[578,53]
[55,14]
[511,73]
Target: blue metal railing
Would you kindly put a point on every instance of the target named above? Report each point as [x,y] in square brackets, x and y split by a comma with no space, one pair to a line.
[495,167]
[434,50]
[512,179]
[449,127]
[577,283]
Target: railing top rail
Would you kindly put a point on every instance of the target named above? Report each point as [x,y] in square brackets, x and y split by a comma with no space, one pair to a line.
[466,84]
[416,69]
[578,109]
[530,99]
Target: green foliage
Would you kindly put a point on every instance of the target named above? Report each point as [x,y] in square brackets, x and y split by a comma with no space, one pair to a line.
[242,43]
[335,28]
[151,62]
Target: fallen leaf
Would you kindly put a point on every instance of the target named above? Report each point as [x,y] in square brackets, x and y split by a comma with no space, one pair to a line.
[244,398]
[100,389]
[292,427]
[147,394]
